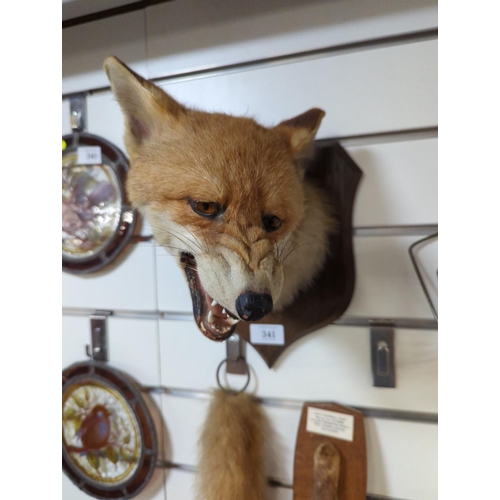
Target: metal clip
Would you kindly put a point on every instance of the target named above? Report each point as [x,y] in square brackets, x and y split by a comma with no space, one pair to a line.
[78,111]
[99,336]
[382,354]
[235,355]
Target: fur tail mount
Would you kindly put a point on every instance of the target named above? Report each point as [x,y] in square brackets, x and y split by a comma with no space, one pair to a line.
[231,465]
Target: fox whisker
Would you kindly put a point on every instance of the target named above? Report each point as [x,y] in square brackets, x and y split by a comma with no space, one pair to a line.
[181,239]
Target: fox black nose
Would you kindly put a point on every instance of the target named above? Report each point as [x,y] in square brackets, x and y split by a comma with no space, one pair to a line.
[253,306]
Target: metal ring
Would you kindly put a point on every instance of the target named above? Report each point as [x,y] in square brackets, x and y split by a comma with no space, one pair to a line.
[231,391]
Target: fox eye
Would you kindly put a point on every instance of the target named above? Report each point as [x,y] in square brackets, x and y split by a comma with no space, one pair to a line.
[209,209]
[271,223]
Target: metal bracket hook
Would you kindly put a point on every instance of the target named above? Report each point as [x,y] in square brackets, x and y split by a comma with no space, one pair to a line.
[236,355]
[78,112]
[382,354]
[98,350]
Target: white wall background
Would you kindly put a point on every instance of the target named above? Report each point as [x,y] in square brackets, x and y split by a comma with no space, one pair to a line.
[366,90]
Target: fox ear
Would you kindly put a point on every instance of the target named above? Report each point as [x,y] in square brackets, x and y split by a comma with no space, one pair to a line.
[144,105]
[302,129]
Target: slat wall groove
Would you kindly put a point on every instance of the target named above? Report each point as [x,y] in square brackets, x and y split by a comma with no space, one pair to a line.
[388,136]
[409,230]
[271,481]
[409,323]
[381,413]
[108,12]
[373,69]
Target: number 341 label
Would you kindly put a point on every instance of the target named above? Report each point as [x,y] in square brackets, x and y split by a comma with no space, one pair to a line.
[267,334]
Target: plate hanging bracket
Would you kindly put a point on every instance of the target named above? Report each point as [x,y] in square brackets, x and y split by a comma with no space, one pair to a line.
[235,355]
[78,112]
[382,353]
[98,350]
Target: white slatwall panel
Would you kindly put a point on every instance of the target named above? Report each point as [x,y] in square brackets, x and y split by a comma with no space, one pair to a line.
[380,89]
[355,91]
[85,47]
[105,118]
[386,284]
[173,294]
[192,34]
[181,486]
[131,284]
[188,35]
[331,363]
[399,184]
[131,341]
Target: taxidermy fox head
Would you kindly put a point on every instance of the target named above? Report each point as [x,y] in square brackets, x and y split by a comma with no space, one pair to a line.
[227,198]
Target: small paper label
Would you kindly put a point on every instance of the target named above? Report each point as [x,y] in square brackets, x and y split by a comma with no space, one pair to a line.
[89,155]
[330,423]
[267,334]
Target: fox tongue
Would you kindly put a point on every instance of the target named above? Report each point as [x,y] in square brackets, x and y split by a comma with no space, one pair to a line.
[216,309]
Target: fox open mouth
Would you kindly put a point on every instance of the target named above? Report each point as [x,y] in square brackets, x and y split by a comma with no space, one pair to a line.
[212,319]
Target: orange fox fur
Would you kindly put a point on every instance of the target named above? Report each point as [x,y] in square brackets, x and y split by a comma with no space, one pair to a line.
[231,465]
[179,154]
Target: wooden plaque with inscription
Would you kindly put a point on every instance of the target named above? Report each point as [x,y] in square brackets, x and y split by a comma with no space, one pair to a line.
[330,454]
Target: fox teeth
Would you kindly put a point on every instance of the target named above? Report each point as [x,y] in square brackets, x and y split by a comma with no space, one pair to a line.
[210,317]
[224,311]
[214,303]
[232,321]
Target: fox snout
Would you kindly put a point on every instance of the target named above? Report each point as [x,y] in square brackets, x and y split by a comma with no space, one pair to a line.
[253,306]
[249,293]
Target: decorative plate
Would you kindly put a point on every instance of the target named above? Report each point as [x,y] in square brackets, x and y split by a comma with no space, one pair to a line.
[97,223]
[109,444]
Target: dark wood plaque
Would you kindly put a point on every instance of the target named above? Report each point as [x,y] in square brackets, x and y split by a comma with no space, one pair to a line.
[347,471]
[334,171]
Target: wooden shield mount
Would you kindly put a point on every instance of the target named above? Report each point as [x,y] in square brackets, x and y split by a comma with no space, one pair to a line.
[326,300]
[330,454]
